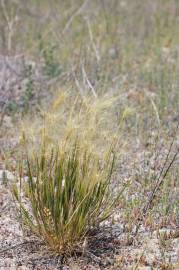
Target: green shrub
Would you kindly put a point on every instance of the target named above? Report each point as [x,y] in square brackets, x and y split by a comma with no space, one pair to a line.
[68,190]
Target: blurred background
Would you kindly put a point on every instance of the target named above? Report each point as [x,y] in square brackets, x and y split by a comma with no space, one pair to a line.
[90,47]
[98,49]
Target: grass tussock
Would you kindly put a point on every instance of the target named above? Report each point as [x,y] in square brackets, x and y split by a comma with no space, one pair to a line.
[68,190]
[69,165]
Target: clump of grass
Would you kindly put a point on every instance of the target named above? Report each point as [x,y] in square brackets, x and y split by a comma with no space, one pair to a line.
[68,190]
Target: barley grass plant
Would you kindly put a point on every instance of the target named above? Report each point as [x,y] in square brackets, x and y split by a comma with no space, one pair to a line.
[67,192]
